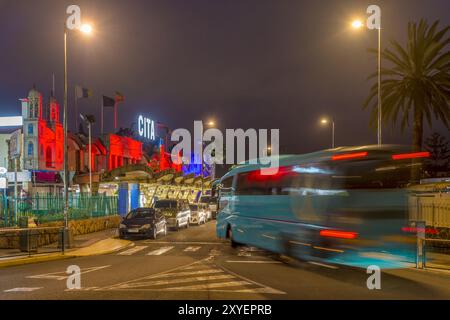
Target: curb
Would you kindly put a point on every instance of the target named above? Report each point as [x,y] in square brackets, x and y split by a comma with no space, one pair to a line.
[105,246]
[35,259]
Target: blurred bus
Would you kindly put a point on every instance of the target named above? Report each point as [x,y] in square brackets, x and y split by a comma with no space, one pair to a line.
[346,206]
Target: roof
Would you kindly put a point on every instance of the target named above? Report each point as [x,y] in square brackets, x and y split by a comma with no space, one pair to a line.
[287,160]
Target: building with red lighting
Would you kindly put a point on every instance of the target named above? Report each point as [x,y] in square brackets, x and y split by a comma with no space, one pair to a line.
[43,136]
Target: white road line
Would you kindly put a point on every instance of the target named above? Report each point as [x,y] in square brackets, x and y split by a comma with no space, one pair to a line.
[160,251]
[183,242]
[176,281]
[22,289]
[188,273]
[191,249]
[63,275]
[131,251]
[322,265]
[254,261]
[210,286]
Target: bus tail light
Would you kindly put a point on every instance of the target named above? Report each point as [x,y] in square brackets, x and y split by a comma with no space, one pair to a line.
[338,234]
[348,156]
[413,155]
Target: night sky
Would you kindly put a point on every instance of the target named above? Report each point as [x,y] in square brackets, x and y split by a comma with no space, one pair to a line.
[246,63]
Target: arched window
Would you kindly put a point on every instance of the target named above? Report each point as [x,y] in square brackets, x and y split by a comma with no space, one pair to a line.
[30,129]
[30,149]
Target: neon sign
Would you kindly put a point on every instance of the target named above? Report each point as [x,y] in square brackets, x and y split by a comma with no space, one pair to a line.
[146,127]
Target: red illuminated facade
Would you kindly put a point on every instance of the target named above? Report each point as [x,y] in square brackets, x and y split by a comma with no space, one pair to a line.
[43,137]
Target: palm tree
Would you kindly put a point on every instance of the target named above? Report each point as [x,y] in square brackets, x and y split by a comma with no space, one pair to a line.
[417,81]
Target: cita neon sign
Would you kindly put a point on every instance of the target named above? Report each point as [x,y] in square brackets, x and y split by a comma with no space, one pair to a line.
[146,127]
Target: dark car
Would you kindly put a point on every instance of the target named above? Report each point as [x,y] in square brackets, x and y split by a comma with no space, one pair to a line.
[145,222]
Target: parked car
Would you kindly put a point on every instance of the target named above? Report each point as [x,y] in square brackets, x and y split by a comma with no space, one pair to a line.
[143,222]
[211,204]
[176,212]
[199,214]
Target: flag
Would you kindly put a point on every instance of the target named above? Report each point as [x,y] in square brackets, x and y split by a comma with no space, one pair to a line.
[108,102]
[119,97]
[81,92]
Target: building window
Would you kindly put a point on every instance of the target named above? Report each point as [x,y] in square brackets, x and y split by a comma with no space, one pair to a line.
[30,149]
[30,129]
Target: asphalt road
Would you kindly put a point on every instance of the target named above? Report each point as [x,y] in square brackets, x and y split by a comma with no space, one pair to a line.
[194,264]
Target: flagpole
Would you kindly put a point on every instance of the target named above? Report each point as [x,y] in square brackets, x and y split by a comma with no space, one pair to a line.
[115,116]
[101,105]
[76,109]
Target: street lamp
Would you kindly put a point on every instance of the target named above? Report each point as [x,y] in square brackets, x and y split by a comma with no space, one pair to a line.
[357,24]
[325,121]
[210,124]
[86,29]
[89,119]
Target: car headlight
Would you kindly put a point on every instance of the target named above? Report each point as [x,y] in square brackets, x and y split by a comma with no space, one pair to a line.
[122,226]
[146,226]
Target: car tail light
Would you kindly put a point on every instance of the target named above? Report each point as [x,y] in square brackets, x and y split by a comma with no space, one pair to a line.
[338,234]
[348,156]
[414,155]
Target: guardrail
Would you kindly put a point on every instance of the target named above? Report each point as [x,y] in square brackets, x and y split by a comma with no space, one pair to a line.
[433,208]
[49,208]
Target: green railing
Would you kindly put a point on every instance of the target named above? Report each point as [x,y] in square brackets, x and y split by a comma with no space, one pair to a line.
[50,207]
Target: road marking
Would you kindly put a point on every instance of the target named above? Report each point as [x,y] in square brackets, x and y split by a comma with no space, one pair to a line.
[182,242]
[62,275]
[214,252]
[300,243]
[160,251]
[254,261]
[322,265]
[201,275]
[22,289]
[131,251]
[328,249]
[179,280]
[191,249]
[81,289]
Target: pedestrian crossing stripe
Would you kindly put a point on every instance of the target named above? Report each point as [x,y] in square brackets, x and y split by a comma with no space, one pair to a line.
[191,249]
[202,275]
[133,250]
[159,251]
[22,289]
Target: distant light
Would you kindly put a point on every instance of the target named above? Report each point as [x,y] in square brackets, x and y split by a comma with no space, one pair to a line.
[357,24]
[86,28]
[324,121]
[11,121]
[211,123]
[269,148]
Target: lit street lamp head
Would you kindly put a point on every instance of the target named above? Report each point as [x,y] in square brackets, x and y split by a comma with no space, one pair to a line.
[86,28]
[211,123]
[324,121]
[357,24]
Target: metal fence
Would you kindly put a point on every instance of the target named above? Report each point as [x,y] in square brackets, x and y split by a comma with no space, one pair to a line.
[49,207]
[433,208]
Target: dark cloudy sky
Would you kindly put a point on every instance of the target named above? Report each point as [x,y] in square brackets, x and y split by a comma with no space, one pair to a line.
[247,63]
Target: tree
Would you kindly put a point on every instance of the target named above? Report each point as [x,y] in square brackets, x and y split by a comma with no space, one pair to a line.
[439,149]
[417,82]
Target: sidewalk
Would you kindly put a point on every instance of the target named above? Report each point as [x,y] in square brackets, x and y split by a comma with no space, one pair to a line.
[101,242]
[438,260]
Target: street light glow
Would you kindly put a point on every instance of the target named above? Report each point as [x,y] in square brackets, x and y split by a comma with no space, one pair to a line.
[211,123]
[86,28]
[324,121]
[357,24]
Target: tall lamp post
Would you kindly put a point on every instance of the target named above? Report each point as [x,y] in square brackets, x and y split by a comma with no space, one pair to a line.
[86,29]
[357,24]
[89,119]
[326,121]
[210,124]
